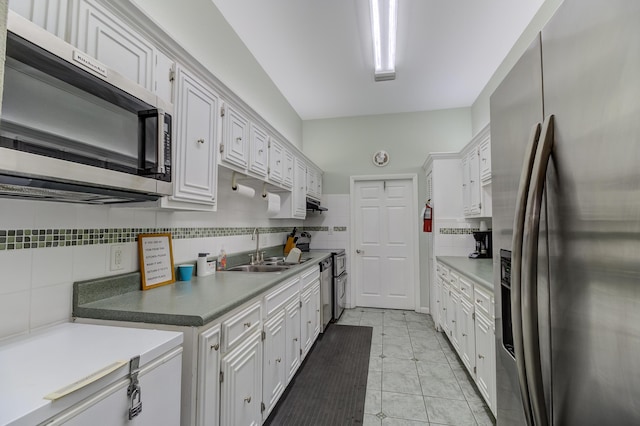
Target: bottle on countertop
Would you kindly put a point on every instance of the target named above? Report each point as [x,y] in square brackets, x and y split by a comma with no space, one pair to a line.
[222,260]
[201,269]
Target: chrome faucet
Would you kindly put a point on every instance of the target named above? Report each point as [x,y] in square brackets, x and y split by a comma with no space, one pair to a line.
[256,236]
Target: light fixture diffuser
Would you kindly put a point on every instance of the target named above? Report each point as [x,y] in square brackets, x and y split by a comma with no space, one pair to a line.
[384,19]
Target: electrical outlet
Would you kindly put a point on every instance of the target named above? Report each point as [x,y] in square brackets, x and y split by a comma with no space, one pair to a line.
[117,257]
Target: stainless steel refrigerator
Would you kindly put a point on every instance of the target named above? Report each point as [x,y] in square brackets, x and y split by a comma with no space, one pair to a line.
[565,135]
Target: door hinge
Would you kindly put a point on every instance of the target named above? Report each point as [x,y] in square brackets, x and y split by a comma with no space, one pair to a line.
[264,335]
[221,377]
[262,407]
[222,111]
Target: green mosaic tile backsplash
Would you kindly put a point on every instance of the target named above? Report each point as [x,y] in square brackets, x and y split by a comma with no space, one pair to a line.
[18,239]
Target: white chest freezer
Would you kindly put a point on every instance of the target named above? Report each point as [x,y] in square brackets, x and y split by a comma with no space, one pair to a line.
[81,374]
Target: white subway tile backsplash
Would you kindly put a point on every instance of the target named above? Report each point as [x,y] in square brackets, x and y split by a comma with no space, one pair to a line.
[16,271]
[91,217]
[50,305]
[52,266]
[89,261]
[18,214]
[14,313]
[56,215]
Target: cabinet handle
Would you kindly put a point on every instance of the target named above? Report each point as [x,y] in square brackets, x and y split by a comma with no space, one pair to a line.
[453,321]
[277,161]
[451,280]
[260,151]
[247,324]
[247,399]
[309,322]
[238,139]
[480,356]
[278,359]
[464,334]
[478,301]
[215,347]
[317,310]
[444,309]
[200,141]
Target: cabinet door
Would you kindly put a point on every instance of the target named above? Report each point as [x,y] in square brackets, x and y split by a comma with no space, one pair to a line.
[467,335]
[306,319]
[485,160]
[299,192]
[209,377]
[274,377]
[292,329]
[235,143]
[452,314]
[466,198]
[259,152]
[319,185]
[196,168]
[485,362]
[474,182]
[241,389]
[288,169]
[444,315]
[276,160]
[164,76]
[312,178]
[315,300]
[100,34]
[48,14]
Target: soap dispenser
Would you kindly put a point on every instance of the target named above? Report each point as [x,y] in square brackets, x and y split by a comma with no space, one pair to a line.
[201,270]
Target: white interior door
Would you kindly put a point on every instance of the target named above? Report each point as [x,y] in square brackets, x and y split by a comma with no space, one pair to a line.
[384,237]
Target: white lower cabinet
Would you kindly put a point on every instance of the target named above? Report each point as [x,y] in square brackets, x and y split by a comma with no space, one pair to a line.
[467,318]
[241,387]
[309,318]
[274,374]
[292,328]
[209,377]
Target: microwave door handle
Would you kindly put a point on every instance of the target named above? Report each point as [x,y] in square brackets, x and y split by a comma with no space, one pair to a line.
[530,330]
[518,229]
[160,143]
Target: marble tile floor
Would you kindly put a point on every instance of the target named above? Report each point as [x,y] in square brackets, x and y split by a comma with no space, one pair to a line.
[415,376]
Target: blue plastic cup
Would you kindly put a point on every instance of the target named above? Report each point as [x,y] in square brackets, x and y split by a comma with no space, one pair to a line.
[185,272]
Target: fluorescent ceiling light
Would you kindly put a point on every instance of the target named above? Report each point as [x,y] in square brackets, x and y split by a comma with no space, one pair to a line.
[384,20]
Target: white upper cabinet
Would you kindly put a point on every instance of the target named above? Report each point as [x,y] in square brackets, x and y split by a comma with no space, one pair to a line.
[276,161]
[259,151]
[476,175]
[288,171]
[97,32]
[48,14]
[164,76]
[299,191]
[485,161]
[195,146]
[234,148]
[314,182]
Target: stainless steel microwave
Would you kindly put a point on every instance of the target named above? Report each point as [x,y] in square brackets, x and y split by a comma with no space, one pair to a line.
[74,130]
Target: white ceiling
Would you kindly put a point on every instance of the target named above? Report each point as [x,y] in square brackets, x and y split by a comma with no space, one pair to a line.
[318,52]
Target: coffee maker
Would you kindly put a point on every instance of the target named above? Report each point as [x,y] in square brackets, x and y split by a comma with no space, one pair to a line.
[483,245]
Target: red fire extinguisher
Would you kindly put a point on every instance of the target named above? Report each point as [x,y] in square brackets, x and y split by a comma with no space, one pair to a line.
[427,217]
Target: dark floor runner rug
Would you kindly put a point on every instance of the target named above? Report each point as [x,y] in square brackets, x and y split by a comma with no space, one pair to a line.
[331,385]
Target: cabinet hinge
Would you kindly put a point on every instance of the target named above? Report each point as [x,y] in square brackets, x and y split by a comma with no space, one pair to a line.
[479,205]
[268,170]
[269,144]
[264,335]
[172,74]
[473,316]
[262,407]
[301,303]
[222,111]
[221,147]
[221,377]
[474,370]
[300,351]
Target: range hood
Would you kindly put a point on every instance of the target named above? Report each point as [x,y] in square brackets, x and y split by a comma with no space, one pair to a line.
[314,205]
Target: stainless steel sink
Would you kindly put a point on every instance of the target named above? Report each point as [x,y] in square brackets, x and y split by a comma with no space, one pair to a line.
[259,268]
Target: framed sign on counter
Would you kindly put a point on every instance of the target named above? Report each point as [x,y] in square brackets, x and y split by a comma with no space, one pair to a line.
[156,260]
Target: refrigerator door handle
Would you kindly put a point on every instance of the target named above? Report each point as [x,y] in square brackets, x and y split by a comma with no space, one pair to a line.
[516,268]
[529,290]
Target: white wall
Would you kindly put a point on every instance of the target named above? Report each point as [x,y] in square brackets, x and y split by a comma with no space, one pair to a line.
[343,147]
[200,28]
[480,108]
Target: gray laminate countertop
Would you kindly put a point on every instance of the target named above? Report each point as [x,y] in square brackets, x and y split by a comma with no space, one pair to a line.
[479,270]
[185,303]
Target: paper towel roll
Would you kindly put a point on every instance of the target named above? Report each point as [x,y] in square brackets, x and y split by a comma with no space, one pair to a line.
[244,190]
[273,203]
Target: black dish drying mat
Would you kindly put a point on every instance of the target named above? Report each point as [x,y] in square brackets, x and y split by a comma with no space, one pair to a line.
[330,387]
